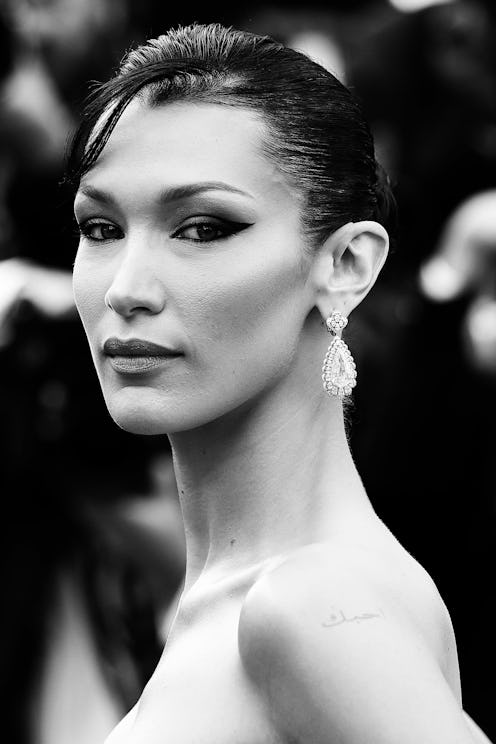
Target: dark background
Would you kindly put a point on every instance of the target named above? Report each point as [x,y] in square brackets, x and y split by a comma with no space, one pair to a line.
[423,422]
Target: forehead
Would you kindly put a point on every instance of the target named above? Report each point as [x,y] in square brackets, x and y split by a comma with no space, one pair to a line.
[183,142]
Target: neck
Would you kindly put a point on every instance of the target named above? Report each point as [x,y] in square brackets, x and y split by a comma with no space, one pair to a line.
[263,480]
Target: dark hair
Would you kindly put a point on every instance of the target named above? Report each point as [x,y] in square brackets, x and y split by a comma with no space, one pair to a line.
[317,134]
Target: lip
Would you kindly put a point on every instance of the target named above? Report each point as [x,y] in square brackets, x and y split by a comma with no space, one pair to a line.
[134,355]
[136,347]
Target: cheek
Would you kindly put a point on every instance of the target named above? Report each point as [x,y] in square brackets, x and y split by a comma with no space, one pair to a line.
[253,314]
[89,291]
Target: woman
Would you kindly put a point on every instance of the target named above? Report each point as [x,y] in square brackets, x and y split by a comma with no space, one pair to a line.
[230,209]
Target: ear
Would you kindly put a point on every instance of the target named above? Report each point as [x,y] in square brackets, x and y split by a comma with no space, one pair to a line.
[347,264]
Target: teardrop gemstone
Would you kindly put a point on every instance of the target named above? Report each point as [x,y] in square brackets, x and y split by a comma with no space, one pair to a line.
[339,370]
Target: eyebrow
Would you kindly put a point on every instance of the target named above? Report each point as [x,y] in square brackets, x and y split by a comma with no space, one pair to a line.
[174,193]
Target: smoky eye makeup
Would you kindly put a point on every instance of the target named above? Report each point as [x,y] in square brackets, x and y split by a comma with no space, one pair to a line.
[228,207]
[197,229]
[205,228]
[93,227]
[99,230]
[204,218]
[198,218]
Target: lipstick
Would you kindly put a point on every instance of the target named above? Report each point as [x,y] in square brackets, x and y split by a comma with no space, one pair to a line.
[135,355]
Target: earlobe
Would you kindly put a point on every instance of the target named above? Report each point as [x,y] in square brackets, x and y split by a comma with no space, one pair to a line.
[348,265]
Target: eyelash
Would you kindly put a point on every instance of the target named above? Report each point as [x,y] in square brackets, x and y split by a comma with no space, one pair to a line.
[228,228]
[84,230]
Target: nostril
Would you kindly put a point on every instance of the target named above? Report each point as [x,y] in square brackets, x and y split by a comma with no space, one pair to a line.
[149,300]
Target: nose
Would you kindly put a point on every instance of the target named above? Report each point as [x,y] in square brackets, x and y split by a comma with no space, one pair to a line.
[135,287]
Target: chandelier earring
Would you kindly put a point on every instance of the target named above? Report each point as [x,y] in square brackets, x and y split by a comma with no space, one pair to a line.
[339,370]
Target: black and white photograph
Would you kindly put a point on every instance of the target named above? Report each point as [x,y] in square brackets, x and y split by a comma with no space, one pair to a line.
[248,372]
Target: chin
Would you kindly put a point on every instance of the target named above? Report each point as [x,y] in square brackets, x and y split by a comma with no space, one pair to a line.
[136,410]
[143,411]
[139,424]
[146,421]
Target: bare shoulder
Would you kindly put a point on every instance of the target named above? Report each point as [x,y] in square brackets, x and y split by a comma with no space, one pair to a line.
[328,584]
[340,639]
[312,589]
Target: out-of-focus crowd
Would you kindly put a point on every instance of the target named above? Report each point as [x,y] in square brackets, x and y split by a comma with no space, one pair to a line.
[91,550]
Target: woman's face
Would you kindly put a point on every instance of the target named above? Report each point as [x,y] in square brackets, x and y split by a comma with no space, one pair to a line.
[190,276]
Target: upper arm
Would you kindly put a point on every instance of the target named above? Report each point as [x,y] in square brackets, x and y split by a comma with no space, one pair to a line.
[336,659]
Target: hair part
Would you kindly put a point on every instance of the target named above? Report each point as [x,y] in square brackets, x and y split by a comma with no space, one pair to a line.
[316,132]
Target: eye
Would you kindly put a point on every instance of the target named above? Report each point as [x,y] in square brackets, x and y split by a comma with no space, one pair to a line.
[207,230]
[100,231]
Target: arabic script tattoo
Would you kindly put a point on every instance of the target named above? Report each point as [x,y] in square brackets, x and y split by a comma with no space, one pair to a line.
[338,617]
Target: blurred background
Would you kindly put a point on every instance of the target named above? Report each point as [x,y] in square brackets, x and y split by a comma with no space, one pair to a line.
[91,549]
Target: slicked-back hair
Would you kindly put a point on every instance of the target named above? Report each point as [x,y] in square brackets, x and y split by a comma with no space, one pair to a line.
[316,133]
